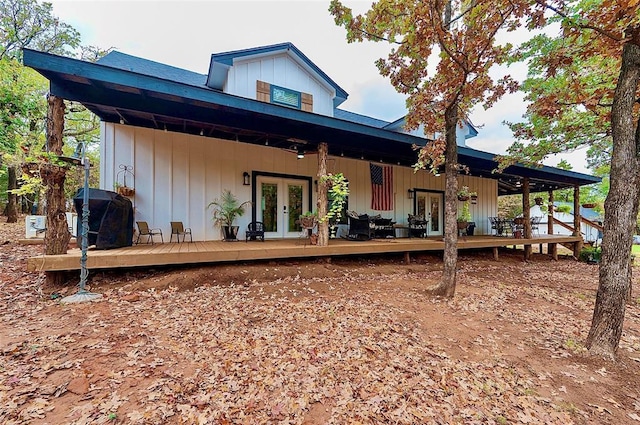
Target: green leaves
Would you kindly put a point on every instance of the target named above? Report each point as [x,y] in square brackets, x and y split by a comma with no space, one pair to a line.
[27,23]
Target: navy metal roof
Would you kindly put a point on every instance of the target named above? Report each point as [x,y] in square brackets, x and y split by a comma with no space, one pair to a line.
[138,65]
[142,96]
[220,63]
[358,118]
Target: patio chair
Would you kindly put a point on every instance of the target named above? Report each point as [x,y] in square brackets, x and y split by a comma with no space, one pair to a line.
[535,225]
[417,226]
[144,230]
[383,228]
[496,226]
[359,227]
[255,231]
[178,229]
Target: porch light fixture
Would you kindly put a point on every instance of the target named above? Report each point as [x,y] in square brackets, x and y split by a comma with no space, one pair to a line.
[80,158]
[410,193]
[246,179]
[300,154]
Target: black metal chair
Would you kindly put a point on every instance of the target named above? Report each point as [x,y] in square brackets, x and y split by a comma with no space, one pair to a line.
[496,227]
[417,226]
[178,229]
[360,228]
[255,231]
[145,230]
[535,225]
[383,228]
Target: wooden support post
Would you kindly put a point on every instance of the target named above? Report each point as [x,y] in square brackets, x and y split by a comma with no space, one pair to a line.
[323,224]
[495,253]
[550,216]
[553,250]
[526,216]
[577,247]
[407,258]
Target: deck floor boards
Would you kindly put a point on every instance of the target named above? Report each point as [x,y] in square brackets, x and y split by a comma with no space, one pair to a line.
[219,251]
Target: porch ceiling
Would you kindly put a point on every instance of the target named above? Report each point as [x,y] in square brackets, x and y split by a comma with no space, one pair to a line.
[116,95]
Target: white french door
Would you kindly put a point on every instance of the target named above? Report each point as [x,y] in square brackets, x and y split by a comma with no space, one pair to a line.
[431,206]
[281,201]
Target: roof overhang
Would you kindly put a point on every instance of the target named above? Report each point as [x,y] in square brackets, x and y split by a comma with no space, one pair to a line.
[117,95]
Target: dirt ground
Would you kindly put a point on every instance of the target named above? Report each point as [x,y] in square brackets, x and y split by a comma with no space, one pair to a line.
[352,341]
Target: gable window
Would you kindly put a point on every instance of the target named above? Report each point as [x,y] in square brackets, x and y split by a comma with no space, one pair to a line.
[271,93]
[286,97]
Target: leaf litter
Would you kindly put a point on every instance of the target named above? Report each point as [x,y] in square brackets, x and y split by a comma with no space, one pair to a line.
[295,342]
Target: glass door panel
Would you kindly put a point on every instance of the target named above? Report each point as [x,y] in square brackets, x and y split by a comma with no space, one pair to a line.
[282,201]
[294,199]
[435,223]
[269,206]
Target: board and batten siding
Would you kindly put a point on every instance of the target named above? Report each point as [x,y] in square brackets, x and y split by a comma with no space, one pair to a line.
[177,175]
[280,70]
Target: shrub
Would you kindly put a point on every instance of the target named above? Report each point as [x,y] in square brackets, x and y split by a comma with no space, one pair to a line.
[590,254]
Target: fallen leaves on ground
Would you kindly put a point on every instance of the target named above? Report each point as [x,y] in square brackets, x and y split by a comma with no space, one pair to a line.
[351,342]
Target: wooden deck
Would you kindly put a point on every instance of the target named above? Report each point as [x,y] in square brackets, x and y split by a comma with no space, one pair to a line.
[218,251]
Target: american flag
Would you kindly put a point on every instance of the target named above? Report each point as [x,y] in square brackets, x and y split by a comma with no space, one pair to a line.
[381,187]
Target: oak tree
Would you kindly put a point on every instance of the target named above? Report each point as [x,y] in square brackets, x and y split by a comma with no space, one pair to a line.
[442,56]
[583,87]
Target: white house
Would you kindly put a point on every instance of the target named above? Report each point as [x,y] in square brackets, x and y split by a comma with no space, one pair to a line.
[252,125]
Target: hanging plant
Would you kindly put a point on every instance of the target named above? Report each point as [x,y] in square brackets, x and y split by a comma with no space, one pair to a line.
[464,194]
[338,192]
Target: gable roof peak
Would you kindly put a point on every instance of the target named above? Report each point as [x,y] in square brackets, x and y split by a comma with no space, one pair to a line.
[221,62]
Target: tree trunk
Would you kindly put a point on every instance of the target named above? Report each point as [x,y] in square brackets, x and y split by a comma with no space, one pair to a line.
[12,204]
[57,236]
[323,224]
[447,285]
[621,209]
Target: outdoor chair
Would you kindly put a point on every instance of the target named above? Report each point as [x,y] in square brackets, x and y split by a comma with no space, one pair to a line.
[255,231]
[359,227]
[178,229]
[144,230]
[535,225]
[383,228]
[496,226]
[417,226]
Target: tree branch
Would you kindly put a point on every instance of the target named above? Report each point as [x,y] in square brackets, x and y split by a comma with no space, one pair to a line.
[563,14]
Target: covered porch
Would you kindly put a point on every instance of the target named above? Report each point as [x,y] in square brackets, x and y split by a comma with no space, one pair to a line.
[212,252]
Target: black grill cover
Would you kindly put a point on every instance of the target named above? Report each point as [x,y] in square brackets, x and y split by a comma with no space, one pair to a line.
[110,219]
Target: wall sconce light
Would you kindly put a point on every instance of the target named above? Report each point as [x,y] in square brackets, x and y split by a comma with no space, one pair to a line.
[300,154]
[410,193]
[246,179]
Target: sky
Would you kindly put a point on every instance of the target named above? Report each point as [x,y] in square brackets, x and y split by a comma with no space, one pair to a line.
[185,34]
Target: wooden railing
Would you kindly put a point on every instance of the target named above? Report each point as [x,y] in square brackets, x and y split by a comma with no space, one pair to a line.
[584,220]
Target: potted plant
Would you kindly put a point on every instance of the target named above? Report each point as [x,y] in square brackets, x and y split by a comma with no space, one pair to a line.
[224,211]
[465,216]
[308,220]
[464,194]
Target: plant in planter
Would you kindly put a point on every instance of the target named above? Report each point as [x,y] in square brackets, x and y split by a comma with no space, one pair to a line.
[465,216]
[464,194]
[308,220]
[337,192]
[224,211]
